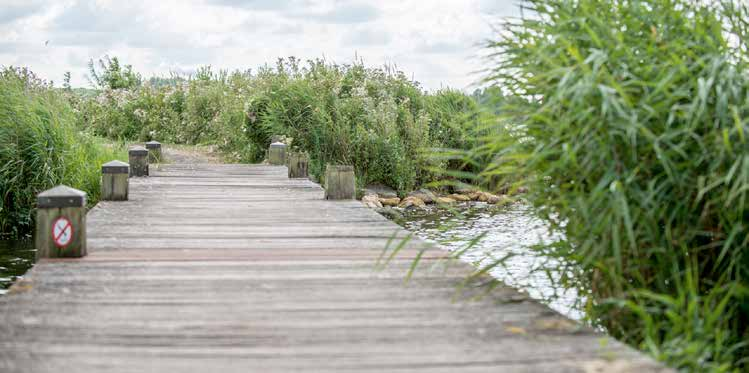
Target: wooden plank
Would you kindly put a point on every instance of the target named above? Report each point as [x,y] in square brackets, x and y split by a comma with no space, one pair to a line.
[236,268]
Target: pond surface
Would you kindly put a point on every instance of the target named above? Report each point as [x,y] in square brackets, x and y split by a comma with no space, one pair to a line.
[16,257]
[509,230]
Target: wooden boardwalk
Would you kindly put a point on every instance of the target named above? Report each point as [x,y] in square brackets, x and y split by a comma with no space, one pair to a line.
[236,268]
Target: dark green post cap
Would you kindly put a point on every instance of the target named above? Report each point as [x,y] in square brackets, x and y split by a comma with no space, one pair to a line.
[115,167]
[61,196]
[340,168]
[137,150]
[153,145]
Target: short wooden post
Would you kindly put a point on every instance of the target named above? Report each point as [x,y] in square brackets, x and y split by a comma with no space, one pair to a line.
[114,181]
[340,182]
[138,159]
[277,153]
[61,223]
[298,164]
[154,151]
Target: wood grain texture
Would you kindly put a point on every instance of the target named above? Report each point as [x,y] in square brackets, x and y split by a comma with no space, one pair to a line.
[154,151]
[298,165]
[340,182]
[114,187]
[236,268]
[138,161]
[44,242]
[277,153]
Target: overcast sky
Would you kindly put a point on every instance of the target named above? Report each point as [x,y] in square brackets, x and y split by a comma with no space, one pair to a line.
[435,41]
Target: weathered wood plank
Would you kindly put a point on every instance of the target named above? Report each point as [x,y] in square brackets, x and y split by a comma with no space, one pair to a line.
[236,268]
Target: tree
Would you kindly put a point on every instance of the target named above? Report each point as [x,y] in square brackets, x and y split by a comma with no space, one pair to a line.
[113,75]
[66,81]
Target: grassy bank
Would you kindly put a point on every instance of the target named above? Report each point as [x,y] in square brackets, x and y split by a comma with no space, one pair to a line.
[40,147]
[375,119]
[629,121]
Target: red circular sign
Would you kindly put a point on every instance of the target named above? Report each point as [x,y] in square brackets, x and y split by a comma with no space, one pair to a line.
[62,232]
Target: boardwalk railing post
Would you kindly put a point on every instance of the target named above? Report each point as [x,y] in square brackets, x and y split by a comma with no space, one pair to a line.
[138,159]
[114,181]
[61,223]
[154,151]
[277,154]
[298,164]
[340,182]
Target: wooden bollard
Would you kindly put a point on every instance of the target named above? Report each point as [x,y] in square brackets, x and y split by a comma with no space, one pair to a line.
[340,182]
[138,159]
[277,153]
[61,223]
[114,181]
[154,151]
[298,164]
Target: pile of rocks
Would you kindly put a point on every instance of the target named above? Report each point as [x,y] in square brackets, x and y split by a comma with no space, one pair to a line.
[379,196]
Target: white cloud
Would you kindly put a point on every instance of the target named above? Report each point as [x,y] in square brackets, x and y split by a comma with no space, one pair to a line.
[436,42]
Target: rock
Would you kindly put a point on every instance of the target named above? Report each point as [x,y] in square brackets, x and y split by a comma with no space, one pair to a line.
[460,197]
[492,199]
[425,195]
[390,213]
[444,200]
[484,197]
[412,201]
[381,191]
[474,196]
[371,201]
[487,197]
[394,201]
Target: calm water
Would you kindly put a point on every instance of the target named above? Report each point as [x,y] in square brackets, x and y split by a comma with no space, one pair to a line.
[510,229]
[16,257]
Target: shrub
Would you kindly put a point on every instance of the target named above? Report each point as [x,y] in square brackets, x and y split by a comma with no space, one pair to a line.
[632,124]
[375,119]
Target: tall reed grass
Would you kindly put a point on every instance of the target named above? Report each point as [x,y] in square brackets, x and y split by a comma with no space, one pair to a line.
[40,147]
[629,121]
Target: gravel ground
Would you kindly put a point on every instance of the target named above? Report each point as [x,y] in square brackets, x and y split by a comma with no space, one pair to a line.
[189,154]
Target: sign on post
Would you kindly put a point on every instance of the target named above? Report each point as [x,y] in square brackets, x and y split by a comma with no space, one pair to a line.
[62,232]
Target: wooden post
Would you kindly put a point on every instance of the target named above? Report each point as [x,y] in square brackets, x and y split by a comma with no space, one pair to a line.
[114,181]
[298,164]
[277,153]
[138,158]
[154,151]
[61,223]
[340,182]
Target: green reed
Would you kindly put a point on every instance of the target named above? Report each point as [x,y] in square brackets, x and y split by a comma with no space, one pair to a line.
[629,122]
[40,147]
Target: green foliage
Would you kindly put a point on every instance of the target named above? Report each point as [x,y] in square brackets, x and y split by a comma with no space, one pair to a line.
[40,147]
[112,74]
[629,119]
[375,119]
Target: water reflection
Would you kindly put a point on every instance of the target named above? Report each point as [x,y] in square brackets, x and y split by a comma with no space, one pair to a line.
[16,257]
[509,231]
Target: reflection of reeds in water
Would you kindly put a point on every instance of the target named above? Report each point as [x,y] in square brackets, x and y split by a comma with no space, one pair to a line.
[16,257]
[499,242]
